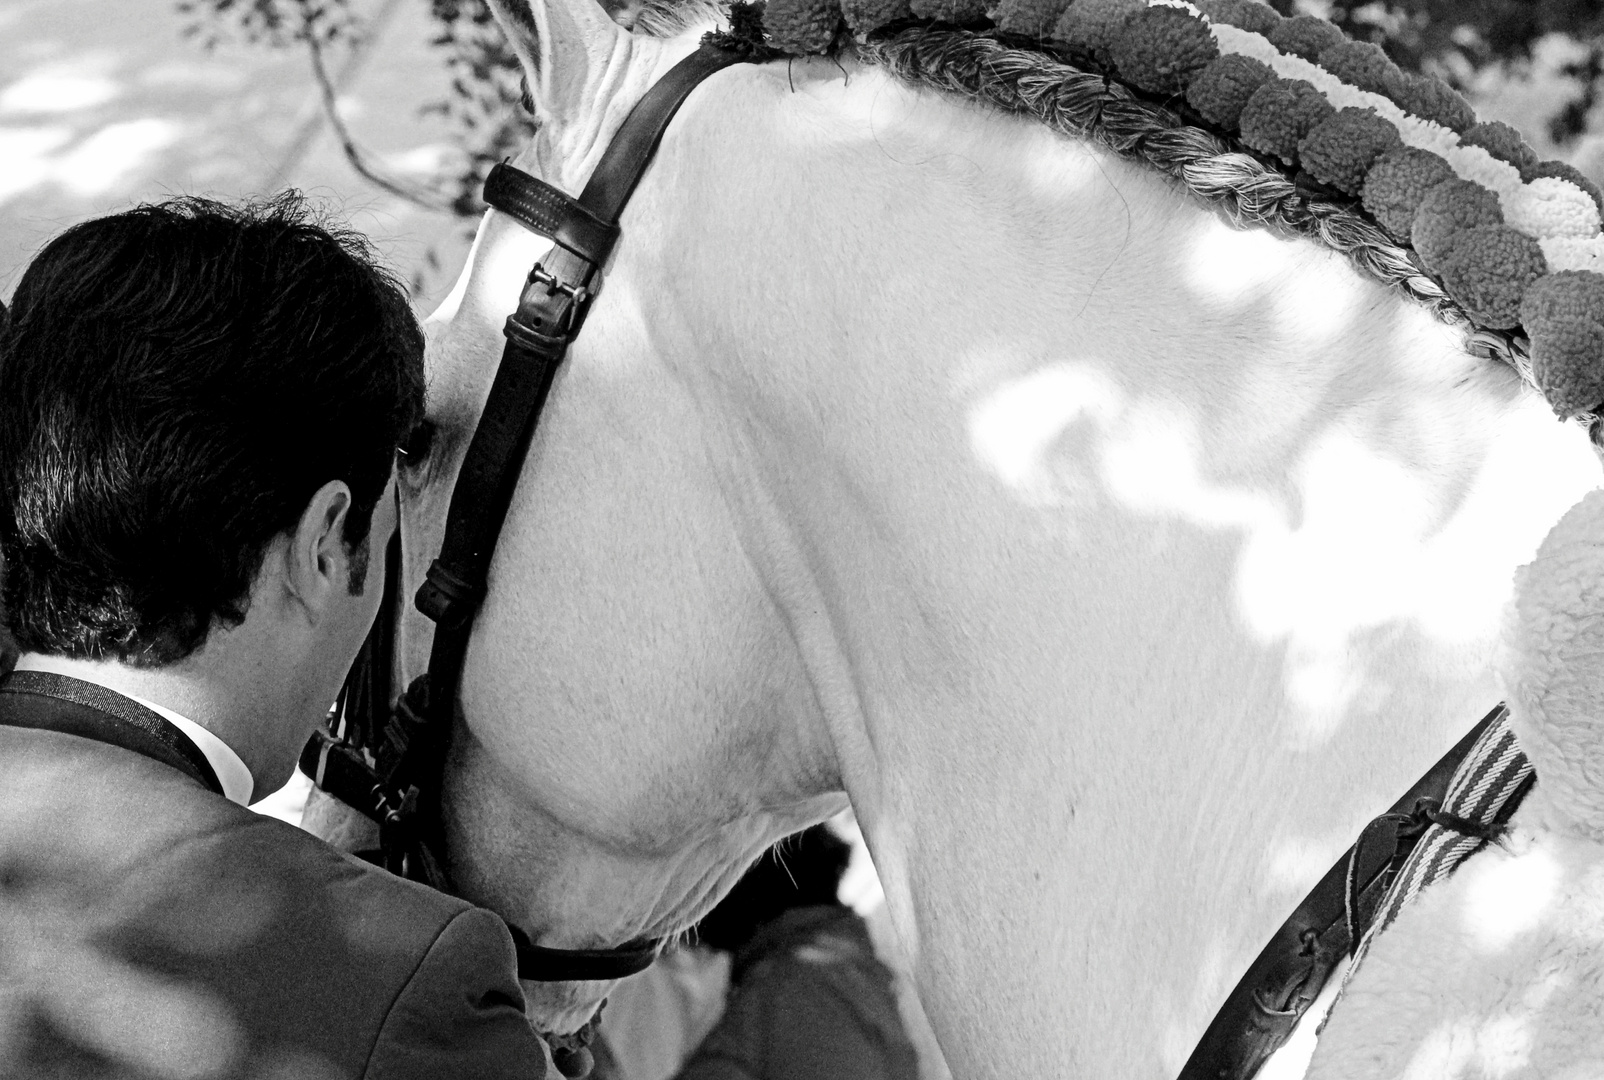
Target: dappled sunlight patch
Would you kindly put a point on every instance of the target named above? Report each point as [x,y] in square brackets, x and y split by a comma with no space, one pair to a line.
[498,276]
[1510,898]
[1351,561]
[1461,1048]
[1234,267]
[1153,464]
[154,1026]
[1294,863]
[425,161]
[1322,684]
[27,152]
[101,162]
[1012,429]
[192,76]
[1370,538]
[55,91]
[1320,303]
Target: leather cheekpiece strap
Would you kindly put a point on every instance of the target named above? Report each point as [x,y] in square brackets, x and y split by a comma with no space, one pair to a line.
[392,770]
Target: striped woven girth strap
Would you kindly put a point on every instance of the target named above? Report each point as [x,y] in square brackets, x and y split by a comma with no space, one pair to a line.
[1484,794]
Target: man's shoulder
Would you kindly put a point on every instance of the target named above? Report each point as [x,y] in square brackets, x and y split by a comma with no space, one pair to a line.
[134,866]
[90,810]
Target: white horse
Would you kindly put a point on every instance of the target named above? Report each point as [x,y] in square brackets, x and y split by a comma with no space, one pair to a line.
[1116,563]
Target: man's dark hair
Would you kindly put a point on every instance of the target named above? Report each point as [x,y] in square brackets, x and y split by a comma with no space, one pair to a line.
[176,382]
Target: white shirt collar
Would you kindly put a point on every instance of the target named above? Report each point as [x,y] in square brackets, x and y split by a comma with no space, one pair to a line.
[231,771]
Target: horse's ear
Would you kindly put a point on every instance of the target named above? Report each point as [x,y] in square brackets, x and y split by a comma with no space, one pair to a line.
[564,46]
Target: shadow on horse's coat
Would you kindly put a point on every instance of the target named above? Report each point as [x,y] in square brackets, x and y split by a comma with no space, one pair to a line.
[1115,562]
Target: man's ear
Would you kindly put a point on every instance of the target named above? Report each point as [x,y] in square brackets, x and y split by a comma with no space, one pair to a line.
[565,47]
[318,560]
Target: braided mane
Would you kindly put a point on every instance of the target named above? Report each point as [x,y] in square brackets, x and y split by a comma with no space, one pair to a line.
[1017,78]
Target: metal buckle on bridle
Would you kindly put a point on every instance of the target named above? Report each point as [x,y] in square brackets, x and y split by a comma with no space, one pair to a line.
[539,275]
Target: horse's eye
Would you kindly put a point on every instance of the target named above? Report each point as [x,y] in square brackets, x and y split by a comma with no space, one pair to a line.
[414,449]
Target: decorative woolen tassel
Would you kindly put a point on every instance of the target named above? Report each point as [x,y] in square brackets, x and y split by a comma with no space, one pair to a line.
[1561,313]
[1448,208]
[1564,170]
[1221,90]
[1488,269]
[1365,65]
[1279,114]
[864,16]
[1341,149]
[802,27]
[1396,185]
[1429,98]
[1161,49]
[1029,18]
[1248,15]
[1501,141]
[950,11]
[1092,24]
[1305,35]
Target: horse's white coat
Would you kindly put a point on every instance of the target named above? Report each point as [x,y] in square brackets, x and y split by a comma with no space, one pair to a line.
[915,452]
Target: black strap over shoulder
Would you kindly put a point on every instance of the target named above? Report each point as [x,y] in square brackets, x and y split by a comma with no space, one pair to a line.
[391,769]
[93,712]
[1289,973]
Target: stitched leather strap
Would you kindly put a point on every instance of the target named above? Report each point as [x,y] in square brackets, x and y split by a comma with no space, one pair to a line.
[541,208]
[93,712]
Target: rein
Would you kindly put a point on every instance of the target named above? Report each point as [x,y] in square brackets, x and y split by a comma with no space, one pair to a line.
[387,762]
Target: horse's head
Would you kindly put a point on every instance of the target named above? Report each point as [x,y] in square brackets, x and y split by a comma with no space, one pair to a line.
[635,725]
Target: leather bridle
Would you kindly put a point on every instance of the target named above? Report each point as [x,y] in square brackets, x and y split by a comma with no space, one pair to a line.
[387,762]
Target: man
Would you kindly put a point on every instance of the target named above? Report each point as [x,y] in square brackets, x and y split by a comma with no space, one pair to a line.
[199,411]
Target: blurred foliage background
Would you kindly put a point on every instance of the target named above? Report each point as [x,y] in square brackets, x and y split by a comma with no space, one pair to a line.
[1461,40]
[482,76]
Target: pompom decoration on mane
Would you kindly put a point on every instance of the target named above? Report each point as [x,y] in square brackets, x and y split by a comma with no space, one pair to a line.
[1513,243]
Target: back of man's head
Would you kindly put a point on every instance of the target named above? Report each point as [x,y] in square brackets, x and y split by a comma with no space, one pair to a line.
[176,382]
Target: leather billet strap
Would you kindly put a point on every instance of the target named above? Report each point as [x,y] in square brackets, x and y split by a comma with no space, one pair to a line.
[1281,984]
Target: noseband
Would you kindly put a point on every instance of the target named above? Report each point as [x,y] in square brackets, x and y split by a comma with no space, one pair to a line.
[388,762]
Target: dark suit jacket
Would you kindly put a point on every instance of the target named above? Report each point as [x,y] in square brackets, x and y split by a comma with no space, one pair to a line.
[151,928]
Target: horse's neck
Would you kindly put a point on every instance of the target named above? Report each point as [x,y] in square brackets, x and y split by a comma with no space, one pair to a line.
[1134,561]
